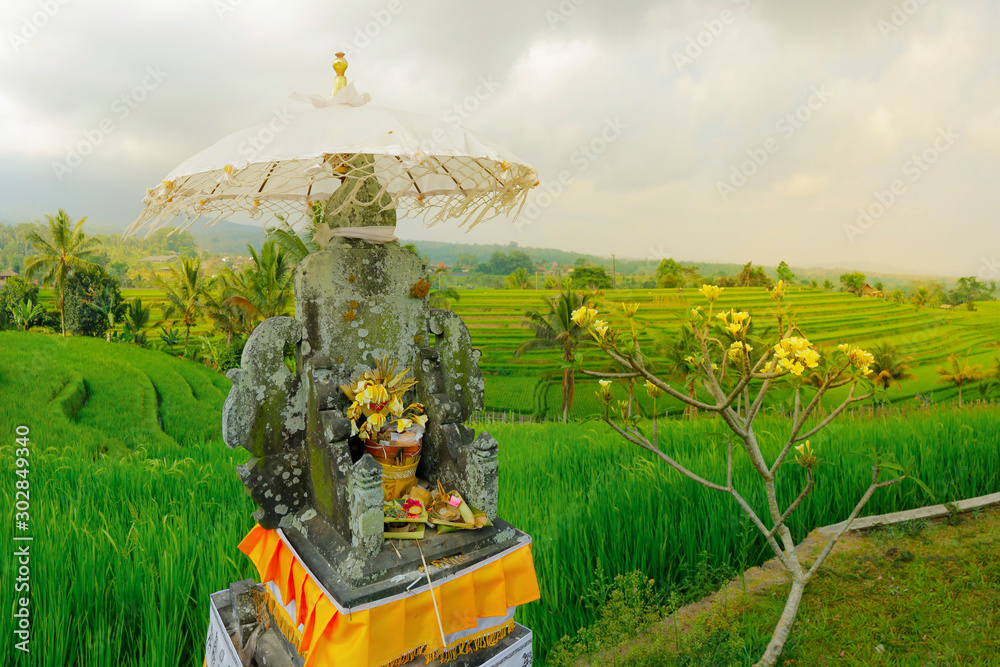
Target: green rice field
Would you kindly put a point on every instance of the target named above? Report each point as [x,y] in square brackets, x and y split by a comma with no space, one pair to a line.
[531,385]
[136,510]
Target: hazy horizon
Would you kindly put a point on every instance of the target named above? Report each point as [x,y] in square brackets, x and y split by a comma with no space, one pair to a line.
[860,133]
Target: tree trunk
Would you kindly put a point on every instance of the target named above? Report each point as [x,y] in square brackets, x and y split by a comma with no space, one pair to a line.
[566,376]
[62,312]
[784,626]
[959,395]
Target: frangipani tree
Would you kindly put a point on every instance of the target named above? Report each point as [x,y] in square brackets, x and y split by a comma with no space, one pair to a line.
[737,372]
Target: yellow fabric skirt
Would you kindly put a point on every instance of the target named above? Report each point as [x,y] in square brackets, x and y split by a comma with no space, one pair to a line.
[380,635]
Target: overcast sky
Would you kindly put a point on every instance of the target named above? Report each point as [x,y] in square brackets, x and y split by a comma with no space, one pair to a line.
[860,131]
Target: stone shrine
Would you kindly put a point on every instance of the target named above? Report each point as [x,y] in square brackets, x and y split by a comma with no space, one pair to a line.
[319,494]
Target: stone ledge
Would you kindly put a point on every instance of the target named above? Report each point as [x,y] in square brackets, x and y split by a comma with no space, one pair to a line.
[929,512]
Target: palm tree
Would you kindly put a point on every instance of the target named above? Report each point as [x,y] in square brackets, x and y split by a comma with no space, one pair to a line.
[186,292]
[890,366]
[442,296]
[676,353]
[264,289]
[65,251]
[106,304]
[921,298]
[297,246]
[137,315]
[827,285]
[554,328]
[227,317]
[960,373]
[518,279]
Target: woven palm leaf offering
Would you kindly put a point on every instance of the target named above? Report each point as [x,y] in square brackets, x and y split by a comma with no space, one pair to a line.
[392,433]
[450,512]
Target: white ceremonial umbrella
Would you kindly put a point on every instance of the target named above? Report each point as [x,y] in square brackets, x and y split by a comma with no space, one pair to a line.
[431,168]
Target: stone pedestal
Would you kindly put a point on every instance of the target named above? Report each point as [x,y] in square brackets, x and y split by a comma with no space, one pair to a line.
[224,647]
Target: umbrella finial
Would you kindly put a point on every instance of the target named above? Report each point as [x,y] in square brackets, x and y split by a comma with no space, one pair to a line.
[339,66]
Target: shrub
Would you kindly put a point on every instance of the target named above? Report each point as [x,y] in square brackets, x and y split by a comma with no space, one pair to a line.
[90,296]
[14,291]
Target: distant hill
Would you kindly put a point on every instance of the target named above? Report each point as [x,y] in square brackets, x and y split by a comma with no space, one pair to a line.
[222,238]
[449,253]
[227,238]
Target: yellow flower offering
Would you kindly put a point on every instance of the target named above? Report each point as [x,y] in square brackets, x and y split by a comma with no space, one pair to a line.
[378,396]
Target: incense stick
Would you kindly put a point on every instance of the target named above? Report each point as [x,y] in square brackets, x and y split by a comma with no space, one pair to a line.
[433,599]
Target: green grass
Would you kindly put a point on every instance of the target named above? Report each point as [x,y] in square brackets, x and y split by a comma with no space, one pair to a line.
[587,498]
[135,524]
[918,596]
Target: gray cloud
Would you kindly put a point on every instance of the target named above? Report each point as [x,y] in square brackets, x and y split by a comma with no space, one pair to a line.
[897,72]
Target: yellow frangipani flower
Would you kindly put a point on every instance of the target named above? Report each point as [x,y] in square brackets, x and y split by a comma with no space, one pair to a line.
[583,316]
[860,359]
[376,420]
[735,350]
[805,457]
[604,393]
[795,354]
[630,309]
[375,393]
[810,358]
[396,406]
[402,424]
[722,316]
[711,292]
[601,327]
[779,290]
[696,311]
[653,390]
[420,419]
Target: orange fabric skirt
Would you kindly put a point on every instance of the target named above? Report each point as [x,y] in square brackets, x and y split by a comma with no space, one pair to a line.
[379,635]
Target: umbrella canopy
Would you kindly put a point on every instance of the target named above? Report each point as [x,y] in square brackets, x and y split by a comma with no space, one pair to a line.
[431,168]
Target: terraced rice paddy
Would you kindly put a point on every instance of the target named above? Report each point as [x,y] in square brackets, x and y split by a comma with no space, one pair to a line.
[827,318]
[531,384]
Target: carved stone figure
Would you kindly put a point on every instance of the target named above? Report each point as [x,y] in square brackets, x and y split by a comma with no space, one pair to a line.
[355,302]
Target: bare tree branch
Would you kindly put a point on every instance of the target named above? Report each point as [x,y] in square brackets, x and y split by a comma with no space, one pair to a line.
[762,528]
[791,508]
[684,398]
[616,376]
[847,524]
